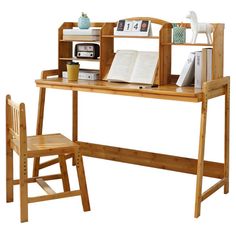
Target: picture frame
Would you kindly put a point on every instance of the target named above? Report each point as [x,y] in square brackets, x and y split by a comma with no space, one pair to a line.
[133,28]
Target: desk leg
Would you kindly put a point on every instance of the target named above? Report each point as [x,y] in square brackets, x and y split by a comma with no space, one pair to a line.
[39,128]
[226,141]
[200,164]
[74,119]
[75,116]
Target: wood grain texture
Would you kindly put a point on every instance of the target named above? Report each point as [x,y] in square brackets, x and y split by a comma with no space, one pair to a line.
[218,52]
[82,180]
[64,173]
[53,161]
[54,196]
[64,47]
[170,91]
[9,155]
[227,137]
[150,159]
[50,144]
[23,164]
[44,177]
[165,55]
[74,115]
[164,38]
[106,49]
[41,104]
[201,150]
[166,90]
[187,44]
[213,189]
[217,84]
[129,36]
[37,146]
[153,20]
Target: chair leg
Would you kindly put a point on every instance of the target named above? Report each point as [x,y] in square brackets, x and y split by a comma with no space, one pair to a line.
[36,166]
[65,178]
[73,161]
[23,189]
[82,181]
[9,175]
[226,137]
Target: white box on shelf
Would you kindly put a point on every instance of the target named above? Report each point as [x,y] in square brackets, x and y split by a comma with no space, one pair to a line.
[78,31]
[85,74]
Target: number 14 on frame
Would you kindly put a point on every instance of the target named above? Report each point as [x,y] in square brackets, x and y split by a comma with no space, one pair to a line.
[133,27]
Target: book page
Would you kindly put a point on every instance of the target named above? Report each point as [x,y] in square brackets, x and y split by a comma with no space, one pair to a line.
[144,68]
[122,66]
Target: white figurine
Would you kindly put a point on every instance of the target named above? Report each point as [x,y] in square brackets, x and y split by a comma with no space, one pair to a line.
[196,27]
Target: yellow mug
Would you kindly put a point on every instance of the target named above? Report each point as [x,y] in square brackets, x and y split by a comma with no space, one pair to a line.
[72,70]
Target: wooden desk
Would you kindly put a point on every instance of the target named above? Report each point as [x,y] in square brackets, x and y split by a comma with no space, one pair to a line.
[171,92]
[198,166]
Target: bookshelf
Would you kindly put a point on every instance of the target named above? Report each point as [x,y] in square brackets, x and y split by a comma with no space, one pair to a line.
[166,47]
[218,86]
[65,47]
[164,40]
[107,43]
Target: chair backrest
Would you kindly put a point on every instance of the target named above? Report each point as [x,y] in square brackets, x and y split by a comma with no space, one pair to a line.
[16,125]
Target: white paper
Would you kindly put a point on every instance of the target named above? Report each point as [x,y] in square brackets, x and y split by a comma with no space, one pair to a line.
[133,66]
[122,66]
[144,68]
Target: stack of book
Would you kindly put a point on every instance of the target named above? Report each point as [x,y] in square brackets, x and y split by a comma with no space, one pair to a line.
[85,74]
[197,69]
[90,34]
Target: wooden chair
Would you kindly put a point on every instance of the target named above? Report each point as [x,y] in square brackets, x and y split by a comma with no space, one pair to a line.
[33,146]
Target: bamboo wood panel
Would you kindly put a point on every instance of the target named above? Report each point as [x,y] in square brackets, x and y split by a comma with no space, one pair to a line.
[161,161]
[54,196]
[218,52]
[213,189]
[169,91]
[44,177]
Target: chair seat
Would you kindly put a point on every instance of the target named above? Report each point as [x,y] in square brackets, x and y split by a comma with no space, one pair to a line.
[49,144]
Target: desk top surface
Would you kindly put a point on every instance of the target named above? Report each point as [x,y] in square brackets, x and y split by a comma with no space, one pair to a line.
[171,92]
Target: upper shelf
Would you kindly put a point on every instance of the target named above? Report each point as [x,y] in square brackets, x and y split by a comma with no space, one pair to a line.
[188,44]
[79,40]
[78,59]
[164,34]
[129,36]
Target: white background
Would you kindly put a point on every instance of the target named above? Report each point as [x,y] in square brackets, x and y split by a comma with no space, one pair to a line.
[125,199]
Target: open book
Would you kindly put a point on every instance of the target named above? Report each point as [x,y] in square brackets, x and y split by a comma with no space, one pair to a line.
[133,67]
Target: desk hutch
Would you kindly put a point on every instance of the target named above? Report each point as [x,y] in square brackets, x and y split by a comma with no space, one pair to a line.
[218,86]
